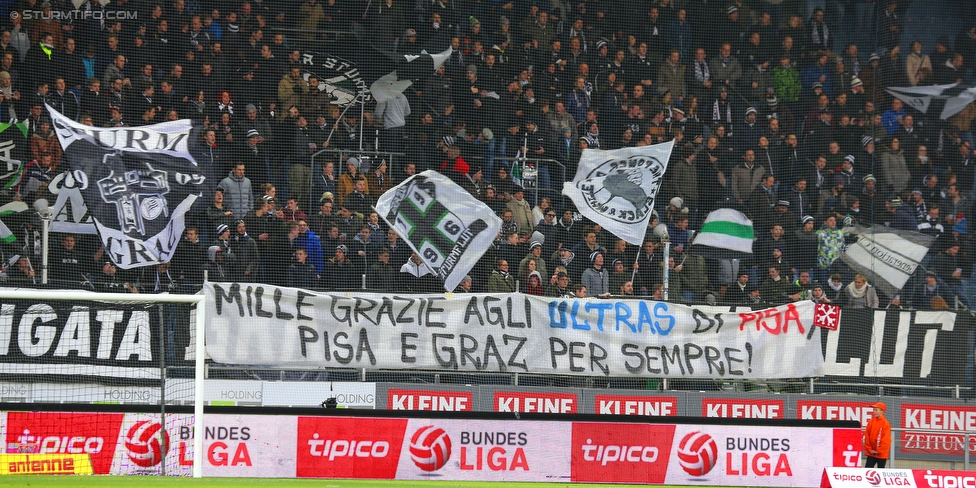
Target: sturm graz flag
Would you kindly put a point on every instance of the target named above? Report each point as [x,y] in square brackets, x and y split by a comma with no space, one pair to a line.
[447,227]
[138,184]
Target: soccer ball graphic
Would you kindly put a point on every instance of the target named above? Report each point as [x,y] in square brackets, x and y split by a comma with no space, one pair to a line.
[697,453]
[430,448]
[873,477]
[143,443]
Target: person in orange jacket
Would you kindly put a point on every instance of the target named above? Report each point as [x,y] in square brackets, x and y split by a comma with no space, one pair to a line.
[877,438]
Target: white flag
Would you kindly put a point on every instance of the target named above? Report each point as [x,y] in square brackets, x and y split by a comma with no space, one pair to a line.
[886,256]
[946,100]
[447,227]
[616,189]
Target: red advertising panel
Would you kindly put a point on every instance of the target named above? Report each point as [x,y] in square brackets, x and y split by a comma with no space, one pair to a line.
[742,409]
[512,401]
[932,478]
[330,447]
[847,447]
[936,417]
[96,434]
[657,406]
[834,410]
[429,400]
[607,453]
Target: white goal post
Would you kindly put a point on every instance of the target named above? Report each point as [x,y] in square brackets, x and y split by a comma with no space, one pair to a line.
[200,351]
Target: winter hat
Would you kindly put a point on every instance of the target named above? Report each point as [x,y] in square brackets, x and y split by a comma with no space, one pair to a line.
[221,229]
[677,202]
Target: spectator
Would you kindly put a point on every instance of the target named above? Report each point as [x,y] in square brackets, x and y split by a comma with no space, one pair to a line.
[501,281]
[830,245]
[342,273]
[775,287]
[596,278]
[301,273]
[237,192]
[247,267]
[859,294]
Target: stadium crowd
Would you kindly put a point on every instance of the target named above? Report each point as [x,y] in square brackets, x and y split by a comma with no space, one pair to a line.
[775,108]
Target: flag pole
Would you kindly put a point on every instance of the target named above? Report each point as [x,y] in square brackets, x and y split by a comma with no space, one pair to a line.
[665,276]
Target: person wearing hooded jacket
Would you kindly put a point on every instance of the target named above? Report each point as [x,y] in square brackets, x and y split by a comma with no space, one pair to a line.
[596,278]
[877,438]
[215,267]
[248,255]
[237,192]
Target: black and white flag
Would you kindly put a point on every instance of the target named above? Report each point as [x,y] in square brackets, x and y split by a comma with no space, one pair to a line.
[616,189]
[447,227]
[946,100]
[138,183]
[886,256]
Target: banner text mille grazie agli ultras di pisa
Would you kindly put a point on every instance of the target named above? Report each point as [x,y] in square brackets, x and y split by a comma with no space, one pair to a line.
[253,324]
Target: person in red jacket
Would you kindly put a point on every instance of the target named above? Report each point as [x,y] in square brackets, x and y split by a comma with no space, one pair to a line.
[877,438]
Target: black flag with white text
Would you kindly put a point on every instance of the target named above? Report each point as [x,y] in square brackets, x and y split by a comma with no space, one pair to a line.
[137,182]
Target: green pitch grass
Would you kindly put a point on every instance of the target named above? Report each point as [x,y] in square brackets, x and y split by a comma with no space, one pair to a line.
[155,481]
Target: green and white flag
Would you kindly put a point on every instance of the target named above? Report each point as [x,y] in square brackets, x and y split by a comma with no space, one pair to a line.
[517,173]
[725,234]
[6,236]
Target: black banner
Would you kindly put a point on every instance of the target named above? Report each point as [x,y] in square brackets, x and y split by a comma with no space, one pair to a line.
[67,339]
[901,347]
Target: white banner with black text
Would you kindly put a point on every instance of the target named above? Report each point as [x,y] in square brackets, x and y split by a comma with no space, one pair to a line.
[287,327]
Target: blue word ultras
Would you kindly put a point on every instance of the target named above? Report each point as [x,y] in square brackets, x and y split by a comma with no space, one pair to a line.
[654,316]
